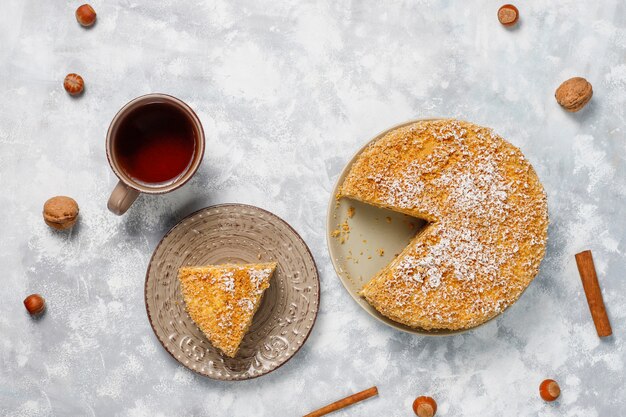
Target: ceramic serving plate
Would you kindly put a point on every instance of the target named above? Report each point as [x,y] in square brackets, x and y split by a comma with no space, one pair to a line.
[234,233]
[375,237]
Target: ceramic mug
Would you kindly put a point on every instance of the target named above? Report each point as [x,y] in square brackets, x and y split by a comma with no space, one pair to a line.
[130,149]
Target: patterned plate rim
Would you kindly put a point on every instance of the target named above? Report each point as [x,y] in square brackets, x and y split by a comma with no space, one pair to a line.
[225,205]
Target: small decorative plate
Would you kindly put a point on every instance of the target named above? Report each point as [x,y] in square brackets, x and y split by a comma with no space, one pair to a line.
[375,237]
[234,233]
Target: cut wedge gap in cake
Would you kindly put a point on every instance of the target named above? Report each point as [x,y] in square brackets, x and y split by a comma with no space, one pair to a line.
[222,299]
[382,233]
[374,237]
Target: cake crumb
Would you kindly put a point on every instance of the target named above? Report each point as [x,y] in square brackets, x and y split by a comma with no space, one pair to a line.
[351,211]
[380,251]
[352,258]
[341,232]
[388,219]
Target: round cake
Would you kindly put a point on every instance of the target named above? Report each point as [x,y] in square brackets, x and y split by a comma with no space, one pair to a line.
[487,222]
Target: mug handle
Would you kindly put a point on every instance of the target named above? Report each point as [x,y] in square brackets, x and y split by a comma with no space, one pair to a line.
[122,198]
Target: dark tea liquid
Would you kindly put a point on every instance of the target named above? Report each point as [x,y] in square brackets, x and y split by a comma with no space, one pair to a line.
[155,143]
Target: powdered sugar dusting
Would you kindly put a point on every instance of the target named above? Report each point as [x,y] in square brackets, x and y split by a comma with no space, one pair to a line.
[228,281]
[258,277]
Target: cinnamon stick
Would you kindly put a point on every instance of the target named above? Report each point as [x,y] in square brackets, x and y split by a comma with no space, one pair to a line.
[587,271]
[338,405]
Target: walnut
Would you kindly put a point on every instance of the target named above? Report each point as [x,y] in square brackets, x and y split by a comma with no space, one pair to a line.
[574,94]
[60,212]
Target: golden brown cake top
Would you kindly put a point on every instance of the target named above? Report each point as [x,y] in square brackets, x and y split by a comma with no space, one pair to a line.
[222,299]
[488,222]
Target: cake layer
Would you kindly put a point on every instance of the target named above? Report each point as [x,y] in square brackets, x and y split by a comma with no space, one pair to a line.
[222,299]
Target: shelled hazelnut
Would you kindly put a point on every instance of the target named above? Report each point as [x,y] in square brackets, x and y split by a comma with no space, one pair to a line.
[86,15]
[508,15]
[73,84]
[424,406]
[35,304]
[549,390]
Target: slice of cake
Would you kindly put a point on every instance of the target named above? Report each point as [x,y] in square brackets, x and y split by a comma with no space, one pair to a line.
[222,299]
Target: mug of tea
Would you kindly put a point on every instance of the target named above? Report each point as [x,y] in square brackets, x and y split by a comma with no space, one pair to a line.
[154,145]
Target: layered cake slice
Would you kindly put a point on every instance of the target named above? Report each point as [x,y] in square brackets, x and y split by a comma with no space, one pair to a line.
[222,299]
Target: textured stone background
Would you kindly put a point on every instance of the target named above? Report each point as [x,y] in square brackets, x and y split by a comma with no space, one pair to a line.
[287,91]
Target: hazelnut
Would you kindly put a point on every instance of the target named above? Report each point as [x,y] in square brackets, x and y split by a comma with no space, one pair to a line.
[73,84]
[35,304]
[574,94]
[424,407]
[60,212]
[508,15]
[86,15]
[549,390]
